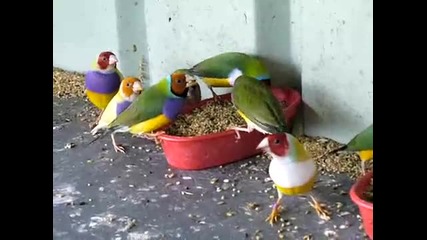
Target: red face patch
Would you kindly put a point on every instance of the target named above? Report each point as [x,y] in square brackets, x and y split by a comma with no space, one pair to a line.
[103,59]
[278,144]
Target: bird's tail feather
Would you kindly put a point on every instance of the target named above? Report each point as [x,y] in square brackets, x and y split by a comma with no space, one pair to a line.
[104,132]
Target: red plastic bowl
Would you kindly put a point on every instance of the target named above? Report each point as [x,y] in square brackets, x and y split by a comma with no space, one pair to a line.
[366,208]
[207,151]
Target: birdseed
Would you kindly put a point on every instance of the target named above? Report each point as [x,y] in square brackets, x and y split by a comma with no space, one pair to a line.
[230,213]
[67,84]
[339,162]
[213,117]
[252,205]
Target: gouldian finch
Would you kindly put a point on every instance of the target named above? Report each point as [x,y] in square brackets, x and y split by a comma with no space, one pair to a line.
[102,81]
[258,106]
[363,144]
[292,170]
[130,88]
[156,107]
[215,71]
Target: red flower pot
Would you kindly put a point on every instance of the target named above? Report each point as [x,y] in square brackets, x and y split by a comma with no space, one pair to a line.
[202,152]
[366,209]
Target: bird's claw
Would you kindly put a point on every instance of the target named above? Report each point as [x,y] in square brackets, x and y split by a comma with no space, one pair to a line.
[240,129]
[274,216]
[152,136]
[236,132]
[320,209]
[119,148]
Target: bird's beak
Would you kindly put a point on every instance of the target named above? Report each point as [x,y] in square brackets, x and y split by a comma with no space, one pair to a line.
[263,144]
[112,60]
[190,82]
[189,77]
[137,87]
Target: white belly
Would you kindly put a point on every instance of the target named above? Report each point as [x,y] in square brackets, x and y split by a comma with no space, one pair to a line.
[288,174]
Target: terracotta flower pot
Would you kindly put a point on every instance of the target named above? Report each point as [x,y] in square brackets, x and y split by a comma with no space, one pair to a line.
[366,208]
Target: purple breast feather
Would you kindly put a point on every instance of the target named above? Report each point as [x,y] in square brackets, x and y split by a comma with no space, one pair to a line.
[173,107]
[122,106]
[102,82]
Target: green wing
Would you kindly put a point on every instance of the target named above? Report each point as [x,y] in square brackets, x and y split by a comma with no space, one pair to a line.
[257,102]
[148,104]
[220,66]
[362,141]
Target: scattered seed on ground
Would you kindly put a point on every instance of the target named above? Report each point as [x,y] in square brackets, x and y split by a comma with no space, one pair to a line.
[67,84]
[339,162]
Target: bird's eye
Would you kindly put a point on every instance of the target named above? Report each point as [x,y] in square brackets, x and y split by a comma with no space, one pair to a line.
[128,84]
[104,59]
[276,141]
[179,81]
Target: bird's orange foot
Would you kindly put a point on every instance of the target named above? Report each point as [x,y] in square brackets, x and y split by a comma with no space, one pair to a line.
[320,208]
[119,148]
[152,136]
[274,216]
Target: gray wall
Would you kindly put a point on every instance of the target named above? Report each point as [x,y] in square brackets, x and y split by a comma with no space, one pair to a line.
[337,67]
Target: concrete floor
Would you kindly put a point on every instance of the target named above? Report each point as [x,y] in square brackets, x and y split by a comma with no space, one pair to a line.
[100,194]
